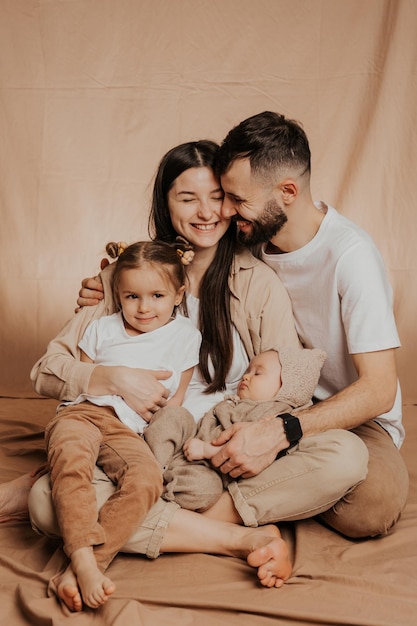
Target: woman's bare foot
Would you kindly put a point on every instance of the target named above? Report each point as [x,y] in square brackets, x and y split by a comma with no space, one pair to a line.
[14,498]
[94,586]
[264,548]
[261,547]
[65,586]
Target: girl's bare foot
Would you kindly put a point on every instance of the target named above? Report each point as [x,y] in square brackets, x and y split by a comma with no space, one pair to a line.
[65,586]
[95,587]
[14,498]
[264,548]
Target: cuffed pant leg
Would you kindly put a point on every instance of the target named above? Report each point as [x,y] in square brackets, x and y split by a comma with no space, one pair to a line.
[375,505]
[309,480]
[148,537]
[145,540]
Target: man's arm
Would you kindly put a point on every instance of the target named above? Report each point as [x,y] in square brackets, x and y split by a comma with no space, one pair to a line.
[91,292]
[372,394]
[251,447]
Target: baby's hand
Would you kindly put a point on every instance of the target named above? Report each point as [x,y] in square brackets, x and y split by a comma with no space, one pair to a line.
[194,449]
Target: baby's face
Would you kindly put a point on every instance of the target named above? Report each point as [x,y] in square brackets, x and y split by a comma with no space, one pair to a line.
[262,379]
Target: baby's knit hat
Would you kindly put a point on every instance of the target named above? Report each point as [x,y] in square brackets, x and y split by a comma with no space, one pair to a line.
[300,374]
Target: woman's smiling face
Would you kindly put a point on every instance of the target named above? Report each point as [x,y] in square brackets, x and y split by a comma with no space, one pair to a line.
[195,202]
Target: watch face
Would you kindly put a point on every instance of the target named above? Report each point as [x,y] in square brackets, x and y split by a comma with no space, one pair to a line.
[292,428]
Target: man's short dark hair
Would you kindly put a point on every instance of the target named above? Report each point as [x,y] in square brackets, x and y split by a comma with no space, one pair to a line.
[270,141]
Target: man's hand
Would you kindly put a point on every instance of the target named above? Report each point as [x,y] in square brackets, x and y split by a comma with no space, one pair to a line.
[249,447]
[141,389]
[91,292]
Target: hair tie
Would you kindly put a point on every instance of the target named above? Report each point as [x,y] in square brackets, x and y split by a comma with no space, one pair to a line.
[184,250]
[115,249]
[185,256]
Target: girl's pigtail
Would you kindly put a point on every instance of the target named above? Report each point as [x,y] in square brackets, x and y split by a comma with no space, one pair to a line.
[114,249]
[184,249]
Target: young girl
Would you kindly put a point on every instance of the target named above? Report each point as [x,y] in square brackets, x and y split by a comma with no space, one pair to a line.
[147,332]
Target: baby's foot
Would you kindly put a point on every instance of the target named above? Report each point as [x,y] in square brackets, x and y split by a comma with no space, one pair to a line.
[194,449]
[266,550]
[95,587]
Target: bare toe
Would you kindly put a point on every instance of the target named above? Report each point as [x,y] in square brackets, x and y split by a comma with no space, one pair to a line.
[66,588]
[100,593]
[71,596]
[272,560]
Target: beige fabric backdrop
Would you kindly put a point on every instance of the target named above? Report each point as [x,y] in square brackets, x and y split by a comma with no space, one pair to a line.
[93,92]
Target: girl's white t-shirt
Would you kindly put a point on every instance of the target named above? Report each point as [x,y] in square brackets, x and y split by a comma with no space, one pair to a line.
[175,347]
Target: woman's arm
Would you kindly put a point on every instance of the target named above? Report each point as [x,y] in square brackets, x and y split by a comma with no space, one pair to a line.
[59,373]
[141,389]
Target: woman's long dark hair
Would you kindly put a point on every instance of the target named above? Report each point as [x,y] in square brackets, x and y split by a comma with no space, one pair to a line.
[214,295]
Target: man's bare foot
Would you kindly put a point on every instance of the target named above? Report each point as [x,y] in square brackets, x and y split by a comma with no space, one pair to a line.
[14,498]
[264,548]
[65,586]
[94,586]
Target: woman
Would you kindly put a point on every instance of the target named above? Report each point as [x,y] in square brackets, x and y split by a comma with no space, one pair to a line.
[242,309]
[238,303]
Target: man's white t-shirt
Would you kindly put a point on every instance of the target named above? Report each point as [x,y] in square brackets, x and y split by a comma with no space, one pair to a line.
[342,303]
[175,347]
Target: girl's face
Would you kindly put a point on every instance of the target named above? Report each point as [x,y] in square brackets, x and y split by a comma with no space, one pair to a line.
[195,202]
[147,297]
[262,379]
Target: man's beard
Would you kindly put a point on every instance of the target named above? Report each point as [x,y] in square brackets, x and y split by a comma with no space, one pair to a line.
[271,220]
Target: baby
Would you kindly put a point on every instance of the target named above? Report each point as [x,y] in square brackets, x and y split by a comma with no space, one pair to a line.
[274,383]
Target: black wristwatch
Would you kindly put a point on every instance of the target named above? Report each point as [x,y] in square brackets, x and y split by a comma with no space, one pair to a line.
[293,431]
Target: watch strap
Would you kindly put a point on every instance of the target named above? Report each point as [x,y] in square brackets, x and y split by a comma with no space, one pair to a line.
[292,429]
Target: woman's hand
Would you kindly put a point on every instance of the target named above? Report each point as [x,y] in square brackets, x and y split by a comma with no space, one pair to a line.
[141,389]
[250,447]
